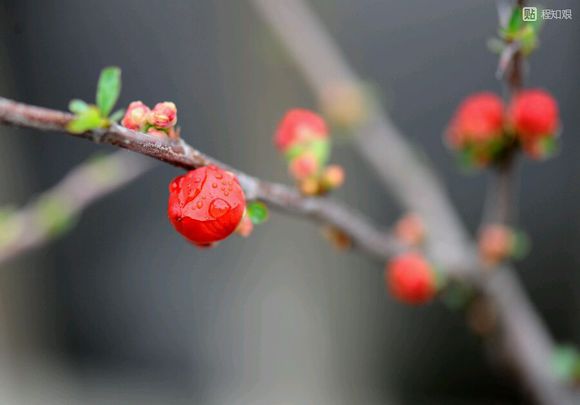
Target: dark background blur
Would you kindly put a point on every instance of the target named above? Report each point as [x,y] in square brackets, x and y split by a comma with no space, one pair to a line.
[123,310]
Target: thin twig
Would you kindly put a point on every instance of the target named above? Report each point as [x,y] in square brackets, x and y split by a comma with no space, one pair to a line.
[178,153]
[54,210]
[500,198]
[519,328]
[501,190]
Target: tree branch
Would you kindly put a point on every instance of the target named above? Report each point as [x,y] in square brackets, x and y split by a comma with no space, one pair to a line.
[500,195]
[518,323]
[519,329]
[502,189]
[377,139]
[178,153]
[53,211]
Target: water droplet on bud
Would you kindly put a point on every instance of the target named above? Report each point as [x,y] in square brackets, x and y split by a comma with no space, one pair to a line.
[218,208]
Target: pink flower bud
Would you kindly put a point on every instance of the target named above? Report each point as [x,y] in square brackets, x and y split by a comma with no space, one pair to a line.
[495,243]
[245,227]
[309,186]
[163,115]
[136,116]
[333,176]
[410,230]
[303,166]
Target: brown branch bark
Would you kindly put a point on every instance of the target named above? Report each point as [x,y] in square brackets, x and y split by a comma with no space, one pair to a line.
[519,329]
[178,153]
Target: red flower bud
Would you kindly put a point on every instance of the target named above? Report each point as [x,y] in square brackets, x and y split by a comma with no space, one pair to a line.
[299,125]
[534,115]
[163,115]
[136,116]
[478,119]
[206,204]
[411,279]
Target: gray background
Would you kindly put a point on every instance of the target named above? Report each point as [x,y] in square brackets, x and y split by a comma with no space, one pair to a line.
[122,310]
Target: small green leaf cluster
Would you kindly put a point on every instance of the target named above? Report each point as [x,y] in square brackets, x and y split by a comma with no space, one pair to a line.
[92,116]
[525,33]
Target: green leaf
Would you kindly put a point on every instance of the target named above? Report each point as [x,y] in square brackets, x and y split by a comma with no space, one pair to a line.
[521,245]
[524,32]
[295,150]
[548,146]
[86,120]
[319,147]
[528,39]
[457,296]
[566,363]
[466,158]
[257,212]
[77,106]
[108,89]
[117,115]
[515,23]
[441,281]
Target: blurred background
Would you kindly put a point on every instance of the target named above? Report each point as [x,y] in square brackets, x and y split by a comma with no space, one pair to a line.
[122,310]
